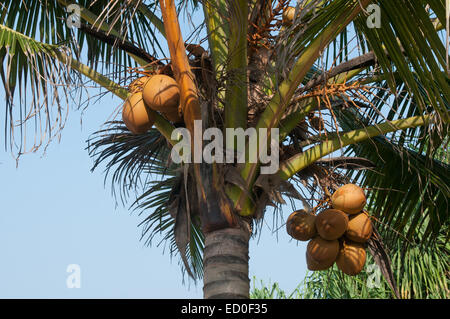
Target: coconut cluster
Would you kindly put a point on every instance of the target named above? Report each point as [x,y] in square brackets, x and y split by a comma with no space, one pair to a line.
[336,234]
[158,93]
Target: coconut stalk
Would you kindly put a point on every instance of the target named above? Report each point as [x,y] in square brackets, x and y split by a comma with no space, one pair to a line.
[300,161]
[215,212]
[189,102]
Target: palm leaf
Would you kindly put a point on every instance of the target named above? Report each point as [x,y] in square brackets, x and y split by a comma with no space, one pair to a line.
[408,189]
[140,164]
[414,51]
[47,20]
[32,67]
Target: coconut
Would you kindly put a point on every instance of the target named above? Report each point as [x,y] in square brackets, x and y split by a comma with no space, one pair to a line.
[138,84]
[174,116]
[349,198]
[314,265]
[288,15]
[331,224]
[161,93]
[321,253]
[359,228]
[136,115]
[300,225]
[351,258]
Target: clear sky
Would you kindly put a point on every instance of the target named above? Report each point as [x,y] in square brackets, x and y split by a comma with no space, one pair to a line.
[54,212]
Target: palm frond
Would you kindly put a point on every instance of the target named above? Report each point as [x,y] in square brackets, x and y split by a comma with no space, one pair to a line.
[407,188]
[140,164]
[130,159]
[413,50]
[47,20]
[31,67]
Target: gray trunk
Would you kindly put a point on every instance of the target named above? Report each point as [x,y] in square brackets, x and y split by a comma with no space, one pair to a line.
[226,264]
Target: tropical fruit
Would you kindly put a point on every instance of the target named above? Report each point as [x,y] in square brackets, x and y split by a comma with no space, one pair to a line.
[359,228]
[136,115]
[351,258]
[349,199]
[321,253]
[301,225]
[161,93]
[138,84]
[331,224]
[288,15]
[173,116]
[314,265]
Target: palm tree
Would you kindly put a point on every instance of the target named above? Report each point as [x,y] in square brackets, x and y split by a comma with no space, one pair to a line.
[332,83]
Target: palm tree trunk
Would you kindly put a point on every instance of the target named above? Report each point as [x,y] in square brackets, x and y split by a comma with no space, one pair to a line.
[226,264]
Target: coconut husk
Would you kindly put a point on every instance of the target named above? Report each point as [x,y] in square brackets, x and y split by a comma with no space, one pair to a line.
[300,225]
[331,224]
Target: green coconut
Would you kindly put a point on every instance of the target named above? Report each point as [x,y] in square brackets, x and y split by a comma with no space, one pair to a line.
[300,225]
[331,224]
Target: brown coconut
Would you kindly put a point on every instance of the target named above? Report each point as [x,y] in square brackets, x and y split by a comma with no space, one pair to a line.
[288,15]
[314,265]
[161,93]
[359,228]
[321,253]
[136,115]
[138,84]
[173,116]
[351,258]
[300,225]
[349,198]
[331,224]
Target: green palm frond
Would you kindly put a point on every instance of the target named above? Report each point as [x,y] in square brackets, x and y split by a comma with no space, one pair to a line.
[407,186]
[140,164]
[418,70]
[129,159]
[31,67]
[155,202]
[46,20]
[413,50]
